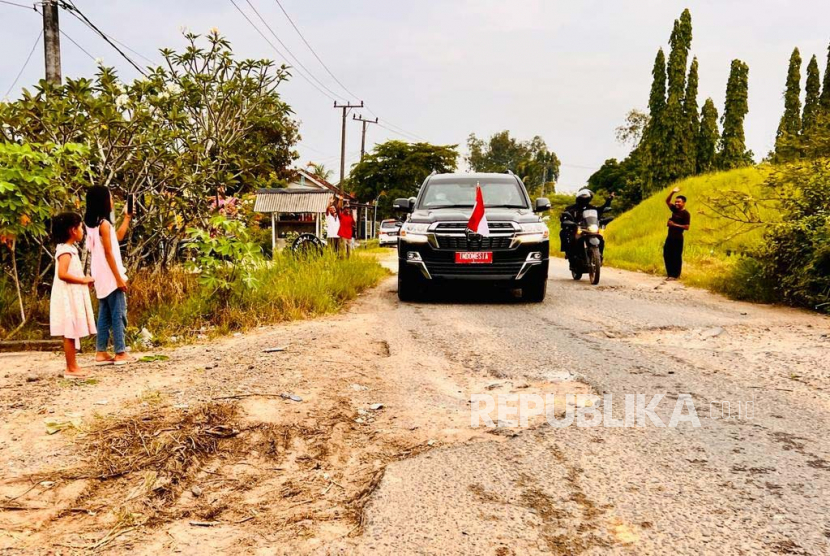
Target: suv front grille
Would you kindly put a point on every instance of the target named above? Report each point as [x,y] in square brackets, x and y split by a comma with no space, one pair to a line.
[463,244]
[462,226]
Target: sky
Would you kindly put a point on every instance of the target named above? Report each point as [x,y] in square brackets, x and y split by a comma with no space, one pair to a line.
[438,70]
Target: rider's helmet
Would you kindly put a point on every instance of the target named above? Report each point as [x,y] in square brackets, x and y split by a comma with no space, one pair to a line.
[583,197]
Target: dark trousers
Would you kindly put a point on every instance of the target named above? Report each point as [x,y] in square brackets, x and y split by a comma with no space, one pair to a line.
[673,256]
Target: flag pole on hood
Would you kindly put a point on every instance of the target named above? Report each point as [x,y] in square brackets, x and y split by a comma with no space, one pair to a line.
[478,220]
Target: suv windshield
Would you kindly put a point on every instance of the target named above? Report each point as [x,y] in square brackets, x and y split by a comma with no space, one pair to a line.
[461,193]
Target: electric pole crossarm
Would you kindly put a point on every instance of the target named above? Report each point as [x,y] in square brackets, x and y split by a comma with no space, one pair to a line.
[365,123]
[345,107]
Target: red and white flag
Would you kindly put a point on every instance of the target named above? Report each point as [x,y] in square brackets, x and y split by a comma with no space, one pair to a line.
[478,220]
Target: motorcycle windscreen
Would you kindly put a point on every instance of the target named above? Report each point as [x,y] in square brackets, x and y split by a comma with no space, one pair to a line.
[590,217]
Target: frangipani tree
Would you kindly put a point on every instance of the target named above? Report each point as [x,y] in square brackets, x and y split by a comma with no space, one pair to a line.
[201,125]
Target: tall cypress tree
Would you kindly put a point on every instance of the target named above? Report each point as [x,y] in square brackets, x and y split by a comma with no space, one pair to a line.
[810,115]
[790,125]
[692,120]
[825,91]
[733,153]
[707,137]
[654,137]
[675,161]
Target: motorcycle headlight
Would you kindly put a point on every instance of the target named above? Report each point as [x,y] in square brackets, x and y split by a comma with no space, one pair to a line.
[593,228]
[534,232]
[414,232]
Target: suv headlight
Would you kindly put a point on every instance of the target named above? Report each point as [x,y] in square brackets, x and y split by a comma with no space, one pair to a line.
[414,232]
[534,232]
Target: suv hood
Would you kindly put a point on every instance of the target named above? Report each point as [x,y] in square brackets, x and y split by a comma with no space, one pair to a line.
[521,216]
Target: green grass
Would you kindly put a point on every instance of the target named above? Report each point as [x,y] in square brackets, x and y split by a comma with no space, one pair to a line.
[713,245]
[289,288]
[173,304]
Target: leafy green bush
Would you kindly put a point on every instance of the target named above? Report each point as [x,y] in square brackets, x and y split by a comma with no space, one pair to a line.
[796,254]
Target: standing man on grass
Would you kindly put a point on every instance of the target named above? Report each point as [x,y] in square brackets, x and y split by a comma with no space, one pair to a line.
[678,223]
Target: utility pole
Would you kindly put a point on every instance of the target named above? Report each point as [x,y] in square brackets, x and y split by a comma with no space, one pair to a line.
[52,41]
[365,122]
[346,107]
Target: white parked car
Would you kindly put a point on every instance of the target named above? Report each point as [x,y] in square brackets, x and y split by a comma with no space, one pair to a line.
[388,232]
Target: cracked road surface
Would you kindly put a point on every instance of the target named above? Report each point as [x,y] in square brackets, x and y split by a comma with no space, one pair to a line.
[754,483]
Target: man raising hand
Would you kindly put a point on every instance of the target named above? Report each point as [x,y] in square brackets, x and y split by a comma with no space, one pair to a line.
[678,223]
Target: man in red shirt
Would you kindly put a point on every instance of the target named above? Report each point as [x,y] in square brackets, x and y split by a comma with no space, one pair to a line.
[346,229]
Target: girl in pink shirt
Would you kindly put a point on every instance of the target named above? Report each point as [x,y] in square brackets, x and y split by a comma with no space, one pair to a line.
[109,274]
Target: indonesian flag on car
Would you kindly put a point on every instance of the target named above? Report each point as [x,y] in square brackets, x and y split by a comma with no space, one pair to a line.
[478,220]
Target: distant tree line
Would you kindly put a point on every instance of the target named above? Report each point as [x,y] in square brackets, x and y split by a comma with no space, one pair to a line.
[677,138]
[532,161]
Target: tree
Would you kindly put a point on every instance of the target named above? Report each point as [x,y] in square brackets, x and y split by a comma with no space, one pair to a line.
[320,171]
[790,125]
[795,253]
[825,91]
[708,137]
[531,160]
[675,160]
[809,119]
[654,138]
[620,178]
[396,169]
[201,125]
[692,119]
[631,132]
[733,152]
[29,195]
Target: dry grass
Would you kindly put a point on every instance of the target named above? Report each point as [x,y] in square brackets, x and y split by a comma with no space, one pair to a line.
[170,442]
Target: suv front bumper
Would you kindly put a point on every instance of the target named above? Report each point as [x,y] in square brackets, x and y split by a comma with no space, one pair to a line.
[525,261]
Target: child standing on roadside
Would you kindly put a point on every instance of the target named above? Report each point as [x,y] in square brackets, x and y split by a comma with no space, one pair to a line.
[109,274]
[70,309]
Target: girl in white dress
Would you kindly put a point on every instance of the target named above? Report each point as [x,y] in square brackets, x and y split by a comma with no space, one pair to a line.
[70,308]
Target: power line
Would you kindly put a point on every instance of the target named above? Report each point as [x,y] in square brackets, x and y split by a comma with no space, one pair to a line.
[26,63]
[15,4]
[288,17]
[404,135]
[401,131]
[72,9]
[277,50]
[291,54]
[81,48]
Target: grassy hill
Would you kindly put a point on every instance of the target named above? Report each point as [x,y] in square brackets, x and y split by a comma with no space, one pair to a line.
[713,244]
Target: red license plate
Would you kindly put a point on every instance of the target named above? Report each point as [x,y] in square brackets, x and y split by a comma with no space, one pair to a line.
[474,257]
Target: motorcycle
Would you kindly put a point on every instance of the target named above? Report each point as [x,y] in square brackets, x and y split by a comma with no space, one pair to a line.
[585,254]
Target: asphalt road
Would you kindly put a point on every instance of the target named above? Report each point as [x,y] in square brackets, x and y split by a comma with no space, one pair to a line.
[754,478]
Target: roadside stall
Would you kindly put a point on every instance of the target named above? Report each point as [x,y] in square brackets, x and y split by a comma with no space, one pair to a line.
[297,210]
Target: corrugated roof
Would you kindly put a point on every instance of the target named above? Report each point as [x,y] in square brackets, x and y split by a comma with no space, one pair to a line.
[292,200]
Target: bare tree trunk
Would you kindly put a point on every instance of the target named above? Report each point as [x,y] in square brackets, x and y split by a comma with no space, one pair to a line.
[19,293]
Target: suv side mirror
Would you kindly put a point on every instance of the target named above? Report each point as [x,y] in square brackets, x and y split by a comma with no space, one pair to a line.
[402,205]
[542,204]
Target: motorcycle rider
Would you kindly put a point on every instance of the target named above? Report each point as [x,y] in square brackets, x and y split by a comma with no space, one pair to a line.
[573,213]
